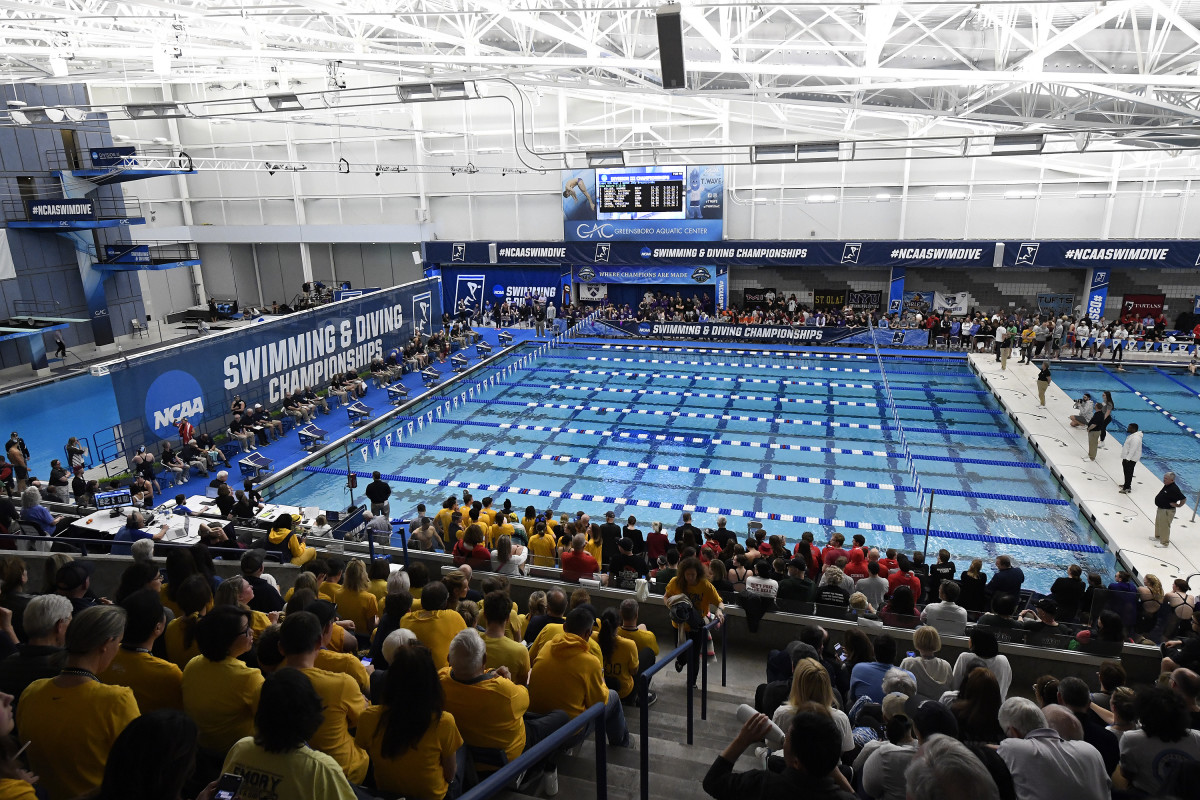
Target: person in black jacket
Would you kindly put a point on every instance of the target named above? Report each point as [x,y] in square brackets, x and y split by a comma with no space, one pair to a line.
[378,492]
[610,534]
[1168,499]
[811,750]
[1068,593]
[266,596]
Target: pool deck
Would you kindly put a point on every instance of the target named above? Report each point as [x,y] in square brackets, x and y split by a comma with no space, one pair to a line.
[1125,521]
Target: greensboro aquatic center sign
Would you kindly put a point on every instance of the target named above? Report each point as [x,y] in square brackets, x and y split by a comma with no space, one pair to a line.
[783,334]
[266,361]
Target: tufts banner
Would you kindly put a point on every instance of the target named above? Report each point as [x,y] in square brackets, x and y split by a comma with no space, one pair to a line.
[266,361]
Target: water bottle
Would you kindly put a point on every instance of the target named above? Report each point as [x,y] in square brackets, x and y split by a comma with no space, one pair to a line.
[774,737]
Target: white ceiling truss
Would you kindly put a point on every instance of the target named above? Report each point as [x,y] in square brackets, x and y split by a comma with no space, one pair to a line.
[757,72]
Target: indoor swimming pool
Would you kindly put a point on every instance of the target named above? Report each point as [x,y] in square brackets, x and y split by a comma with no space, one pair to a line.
[810,438]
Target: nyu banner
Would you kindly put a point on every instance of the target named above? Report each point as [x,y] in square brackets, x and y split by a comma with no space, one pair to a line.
[475,287]
[864,301]
[1097,295]
[264,362]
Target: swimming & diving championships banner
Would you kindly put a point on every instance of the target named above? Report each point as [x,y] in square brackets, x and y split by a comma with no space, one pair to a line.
[644,204]
[265,361]
[783,334]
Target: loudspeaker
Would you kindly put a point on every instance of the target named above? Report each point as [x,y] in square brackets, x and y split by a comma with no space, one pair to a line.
[670,46]
[492,253]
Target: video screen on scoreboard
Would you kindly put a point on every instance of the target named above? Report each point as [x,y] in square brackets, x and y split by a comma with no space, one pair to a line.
[641,193]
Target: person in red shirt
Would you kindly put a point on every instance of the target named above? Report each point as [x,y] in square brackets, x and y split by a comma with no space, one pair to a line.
[904,576]
[657,543]
[810,553]
[856,567]
[834,551]
[889,563]
[187,431]
[470,550]
[577,562]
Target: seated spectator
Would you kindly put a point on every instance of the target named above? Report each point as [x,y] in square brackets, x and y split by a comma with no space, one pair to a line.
[1111,676]
[983,645]
[796,586]
[471,550]
[434,624]
[413,742]
[69,759]
[875,585]
[195,599]
[1042,620]
[831,593]
[882,762]
[132,531]
[1123,583]
[289,714]
[1164,741]
[300,640]
[578,563]
[810,686]
[810,755]
[355,601]
[334,660]
[43,655]
[509,559]
[901,609]
[1073,695]
[492,709]
[266,597]
[944,769]
[567,677]
[625,567]
[946,615]
[220,692]
[1002,616]
[619,656]
[975,707]
[37,515]
[288,543]
[1044,765]
[934,675]
[155,756]
[554,614]
[156,683]
[1108,630]
[866,679]
[500,649]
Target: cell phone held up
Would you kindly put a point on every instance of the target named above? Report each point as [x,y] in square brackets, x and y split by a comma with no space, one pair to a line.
[228,787]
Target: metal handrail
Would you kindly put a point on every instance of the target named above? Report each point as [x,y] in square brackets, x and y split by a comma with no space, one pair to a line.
[499,780]
[644,706]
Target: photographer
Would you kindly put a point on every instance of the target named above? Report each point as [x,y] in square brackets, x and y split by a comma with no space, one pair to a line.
[1086,408]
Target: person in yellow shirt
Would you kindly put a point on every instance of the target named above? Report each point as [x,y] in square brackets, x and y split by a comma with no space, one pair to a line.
[72,721]
[289,544]
[595,543]
[502,650]
[434,625]
[690,585]
[238,592]
[442,518]
[331,584]
[331,661]
[220,693]
[355,601]
[620,657]
[569,678]
[278,756]
[344,704]
[156,684]
[310,581]
[502,528]
[378,572]
[644,640]
[194,597]
[512,626]
[490,707]
[542,546]
[549,632]
[414,743]
[486,510]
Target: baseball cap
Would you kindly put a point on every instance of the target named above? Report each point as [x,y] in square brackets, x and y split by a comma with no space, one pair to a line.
[930,717]
[895,705]
[258,405]
[1048,604]
[798,563]
[73,574]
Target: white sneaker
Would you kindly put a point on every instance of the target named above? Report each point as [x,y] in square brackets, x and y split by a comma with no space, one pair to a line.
[550,783]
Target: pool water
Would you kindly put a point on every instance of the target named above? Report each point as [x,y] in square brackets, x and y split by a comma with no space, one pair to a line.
[774,418]
[1166,446]
[48,415]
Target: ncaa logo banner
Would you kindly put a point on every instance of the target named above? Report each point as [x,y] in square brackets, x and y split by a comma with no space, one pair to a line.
[265,362]
[422,318]
[473,288]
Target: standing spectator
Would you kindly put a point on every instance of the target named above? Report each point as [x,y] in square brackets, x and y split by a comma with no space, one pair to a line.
[1044,765]
[1043,383]
[69,758]
[657,542]
[1068,593]
[943,570]
[1168,499]
[378,492]
[875,586]
[578,563]
[1131,454]
[610,534]
[973,585]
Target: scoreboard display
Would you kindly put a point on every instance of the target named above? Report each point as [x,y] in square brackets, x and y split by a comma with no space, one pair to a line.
[644,193]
